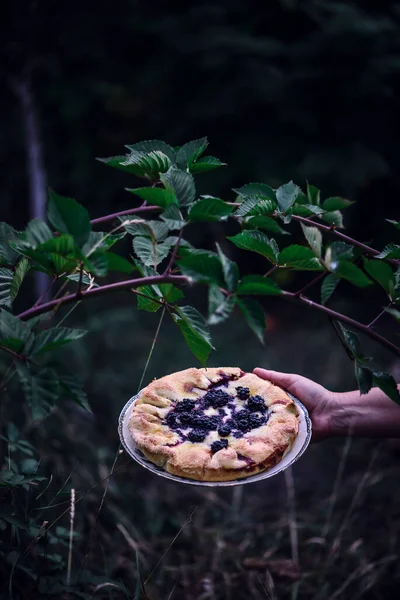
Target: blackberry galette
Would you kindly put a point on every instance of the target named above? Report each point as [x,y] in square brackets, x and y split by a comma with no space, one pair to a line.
[214,424]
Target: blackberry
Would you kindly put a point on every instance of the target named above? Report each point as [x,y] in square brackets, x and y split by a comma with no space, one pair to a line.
[242,424]
[171,419]
[217,398]
[255,403]
[242,414]
[185,405]
[224,430]
[238,434]
[256,421]
[218,445]
[186,418]
[196,435]
[242,392]
[206,423]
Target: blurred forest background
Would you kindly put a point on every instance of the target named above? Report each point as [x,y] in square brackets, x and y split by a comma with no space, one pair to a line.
[284,90]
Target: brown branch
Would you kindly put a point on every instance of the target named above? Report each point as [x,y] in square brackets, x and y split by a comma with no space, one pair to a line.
[111,287]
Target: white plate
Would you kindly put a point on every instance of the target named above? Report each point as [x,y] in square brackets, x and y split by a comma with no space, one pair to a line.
[300,444]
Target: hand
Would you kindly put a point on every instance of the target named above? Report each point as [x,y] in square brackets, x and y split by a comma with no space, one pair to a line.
[320,403]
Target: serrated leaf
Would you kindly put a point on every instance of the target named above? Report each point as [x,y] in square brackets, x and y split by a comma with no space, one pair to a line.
[300,258]
[286,195]
[150,301]
[182,184]
[72,388]
[21,270]
[381,272]
[153,145]
[259,285]
[267,224]
[306,210]
[351,273]
[254,315]
[260,190]
[68,216]
[201,266]
[190,152]
[229,269]
[313,194]
[395,223]
[209,209]
[220,307]
[62,244]
[329,285]
[101,240]
[151,254]
[336,203]
[14,333]
[341,251]
[119,263]
[157,230]
[334,217]
[364,378]
[395,313]
[36,233]
[195,332]
[170,293]
[48,340]
[254,204]
[8,255]
[97,263]
[256,241]
[84,279]
[173,218]
[41,389]
[390,251]
[314,238]
[387,384]
[6,277]
[158,196]
[351,340]
[147,164]
[207,163]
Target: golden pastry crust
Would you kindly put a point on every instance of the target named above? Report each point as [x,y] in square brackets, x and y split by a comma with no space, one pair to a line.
[212,396]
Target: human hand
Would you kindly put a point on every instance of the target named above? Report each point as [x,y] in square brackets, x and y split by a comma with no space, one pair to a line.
[320,402]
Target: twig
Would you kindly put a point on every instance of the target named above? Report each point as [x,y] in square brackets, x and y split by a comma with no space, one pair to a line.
[71,535]
[379,316]
[98,291]
[174,253]
[311,283]
[152,348]
[122,213]
[291,496]
[271,270]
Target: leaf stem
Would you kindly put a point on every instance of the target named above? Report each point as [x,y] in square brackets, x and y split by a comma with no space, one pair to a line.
[311,283]
[111,287]
[174,253]
[122,213]
[379,316]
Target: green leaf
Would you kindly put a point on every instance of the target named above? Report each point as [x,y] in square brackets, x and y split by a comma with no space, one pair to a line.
[151,254]
[148,146]
[50,339]
[147,164]
[97,263]
[256,241]
[119,263]
[14,333]
[334,217]
[157,230]
[36,233]
[195,332]
[21,270]
[172,217]
[351,340]
[85,279]
[336,203]
[118,162]
[313,194]
[364,378]
[300,258]
[207,163]
[41,389]
[387,384]
[209,209]
[395,313]
[255,205]
[229,269]
[68,216]
[182,184]
[381,272]
[254,315]
[306,210]
[62,244]
[395,223]
[286,195]
[329,285]
[201,266]
[147,302]
[170,293]
[158,196]
[261,190]
[390,251]
[257,284]
[6,277]
[101,240]
[351,273]
[339,251]
[220,307]
[314,238]
[267,224]
[190,152]
[8,256]
[73,390]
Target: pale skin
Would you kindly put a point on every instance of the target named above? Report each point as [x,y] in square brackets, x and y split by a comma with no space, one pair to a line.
[335,414]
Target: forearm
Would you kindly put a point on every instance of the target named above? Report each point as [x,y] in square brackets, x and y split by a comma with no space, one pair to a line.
[369,415]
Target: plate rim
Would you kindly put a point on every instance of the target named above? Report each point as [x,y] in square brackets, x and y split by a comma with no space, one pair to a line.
[147,464]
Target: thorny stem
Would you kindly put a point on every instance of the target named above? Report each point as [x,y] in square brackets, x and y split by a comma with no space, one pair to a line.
[122,213]
[311,283]
[111,287]
[14,354]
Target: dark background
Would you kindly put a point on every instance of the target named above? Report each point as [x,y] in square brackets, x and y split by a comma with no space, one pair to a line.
[286,90]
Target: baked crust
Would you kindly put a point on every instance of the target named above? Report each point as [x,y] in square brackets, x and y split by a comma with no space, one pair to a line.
[155,423]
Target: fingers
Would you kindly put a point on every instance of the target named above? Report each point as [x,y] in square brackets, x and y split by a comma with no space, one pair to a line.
[285,380]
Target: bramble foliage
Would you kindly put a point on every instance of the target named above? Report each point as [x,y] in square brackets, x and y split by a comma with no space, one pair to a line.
[162,263]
